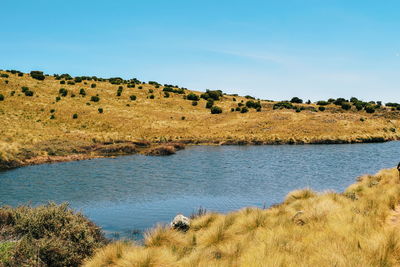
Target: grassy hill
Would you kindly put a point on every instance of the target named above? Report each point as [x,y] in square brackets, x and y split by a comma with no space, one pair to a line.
[359,227]
[56,118]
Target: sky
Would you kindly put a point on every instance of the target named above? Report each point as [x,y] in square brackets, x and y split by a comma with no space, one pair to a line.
[268,49]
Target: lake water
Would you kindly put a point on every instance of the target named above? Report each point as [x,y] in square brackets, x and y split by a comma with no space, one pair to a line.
[136,192]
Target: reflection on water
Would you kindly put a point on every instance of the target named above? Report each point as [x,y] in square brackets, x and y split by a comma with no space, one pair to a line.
[136,192]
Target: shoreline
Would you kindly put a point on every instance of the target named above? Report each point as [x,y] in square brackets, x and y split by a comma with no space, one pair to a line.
[146,148]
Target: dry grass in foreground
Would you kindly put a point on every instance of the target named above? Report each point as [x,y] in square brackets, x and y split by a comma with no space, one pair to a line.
[307,229]
[43,120]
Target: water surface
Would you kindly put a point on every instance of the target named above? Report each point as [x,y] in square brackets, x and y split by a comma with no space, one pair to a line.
[136,192]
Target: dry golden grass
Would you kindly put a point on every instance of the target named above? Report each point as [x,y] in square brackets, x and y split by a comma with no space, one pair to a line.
[27,131]
[307,229]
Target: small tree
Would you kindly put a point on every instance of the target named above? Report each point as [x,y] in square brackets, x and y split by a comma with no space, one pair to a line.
[93,85]
[193,97]
[216,110]
[1,97]
[82,92]
[38,75]
[95,98]
[100,110]
[210,103]
[346,106]
[296,100]
[75,116]
[133,97]
[63,92]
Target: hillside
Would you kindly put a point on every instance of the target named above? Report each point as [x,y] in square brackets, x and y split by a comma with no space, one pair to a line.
[356,228]
[57,118]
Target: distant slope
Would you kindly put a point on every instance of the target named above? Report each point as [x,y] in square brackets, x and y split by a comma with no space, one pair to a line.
[44,120]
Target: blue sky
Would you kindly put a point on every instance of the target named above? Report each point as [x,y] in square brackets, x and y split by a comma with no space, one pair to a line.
[269,49]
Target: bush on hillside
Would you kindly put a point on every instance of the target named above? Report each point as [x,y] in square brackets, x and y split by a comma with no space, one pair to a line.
[4,75]
[38,75]
[166,94]
[78,79]
[216,110]
[82,92]
[71,83]
[193,97]
[151,96]
[237,109]
[283,104]
[322,103]
[63,92]
[29,93]
[346,106]
[95,98]
[194,103]
[213,94]
[1,97]
[296,100]
[339,101]
[93,85]
[62,82]
[75,116]
[100,110]
[369,109]
[321,108]
[24,89]
[244,110]
[132,97]
[209,103]
[252,104]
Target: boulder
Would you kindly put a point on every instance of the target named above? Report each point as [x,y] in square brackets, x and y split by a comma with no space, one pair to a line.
[180,223]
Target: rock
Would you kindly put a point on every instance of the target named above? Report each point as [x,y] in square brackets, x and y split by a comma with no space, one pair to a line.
[180,223]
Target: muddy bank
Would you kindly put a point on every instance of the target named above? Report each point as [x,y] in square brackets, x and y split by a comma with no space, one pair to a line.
[118,148]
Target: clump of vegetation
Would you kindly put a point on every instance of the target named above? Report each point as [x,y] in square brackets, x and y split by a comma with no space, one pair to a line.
[321,108]
[296,100]
[4,75]
[212,94]
[216,110]
[283,104]
[63,92]
[62,82]
[323,103]
[170,89]
[75,116]
[119,91]
[192,97]
[100,110]
[210,103]
[133,97]
[82,92]
[95,98]
[166,94]
[346,106]
[369,109]
[244,110]
[70,82]
[151,96]
[49,235]
[252,104]
[93,85]
[194,103]
[38,75]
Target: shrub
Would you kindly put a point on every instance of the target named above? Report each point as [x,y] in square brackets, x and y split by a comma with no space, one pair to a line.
[192,97]
[216,110]
[12,93]
[296,100]
[24,89]
[93,85]
[252,104]
[151,91]
[322,103]
[140,87]
[283,104]
[321,108]
[183,118]
[249,97]
[339,101]
[75,116]
[369,109]
[82,92]
[71,83]
[38,75]
[52,110]
[244,110]
[100,110]
[166,94]
[4,75]
[358,106]
[78,79]
[234,99]
[131,85]
[237,109]
[29,93]
[72,95]
[1,97]
[346,106]
[58,98]
[63,92]
[194,103]
[209,103]
[172,90]
[95,98]
[213,94]
[62,82]
[132,97]
[151,96]
[52,235]
[52,117]
[258,109]
[232,109]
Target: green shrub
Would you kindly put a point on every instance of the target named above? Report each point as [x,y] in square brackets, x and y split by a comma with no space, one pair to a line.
[183,118]
[95,98]
[166,94]
[238,109]
[62,82]
[216,110]
[322,103]
[232,109]
[63,92]
[78,79]
[131,85]
[1,97]
[234,99]
[71,83]
[132,97]
[194,103]
[12,93]
[29,93]
[170,89]
[321,108]
[52,110]
[346,106]
[82,92]
[151,96]
[258,109]
[75,116]
[339,101]
[58,98]
[296,100]
[358,106]
[283,104]
[193,97]
[369,109]
[24,89]
[252,104]
[244,110]
[249,97]
[38,75]
[52,235]
[93,85]
[100,110]
[213,94]
[151,91]
[4,75]
[140,87]
[210,103]
[52,117]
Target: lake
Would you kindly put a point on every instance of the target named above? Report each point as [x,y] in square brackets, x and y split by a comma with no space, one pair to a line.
[136,192]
